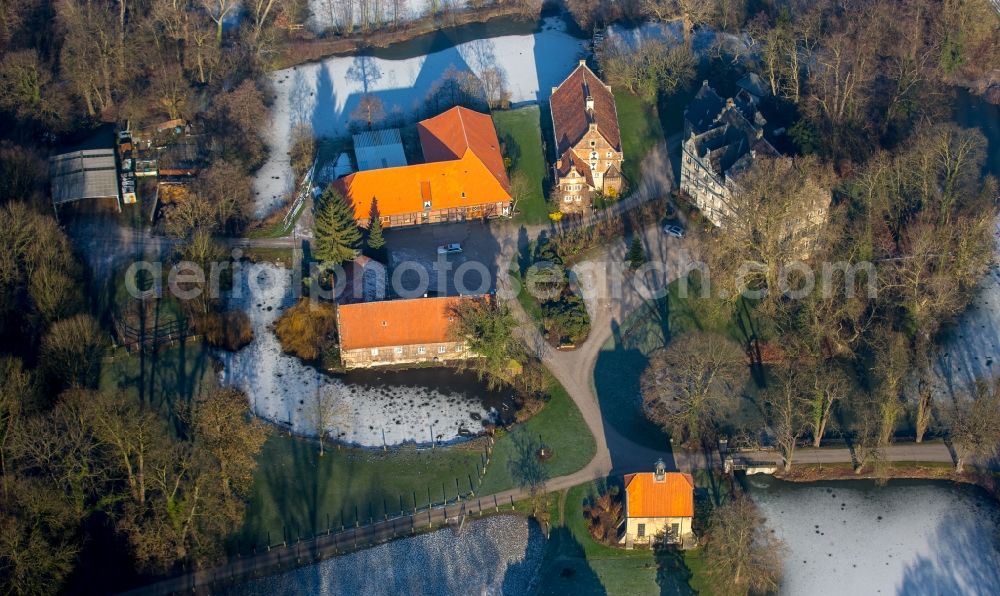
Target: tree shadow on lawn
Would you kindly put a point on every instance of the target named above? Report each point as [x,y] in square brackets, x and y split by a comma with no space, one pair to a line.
[672,573]
[619,369]
[565,569]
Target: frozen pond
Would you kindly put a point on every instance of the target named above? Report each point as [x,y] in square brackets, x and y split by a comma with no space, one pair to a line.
[323,95]
[496,555]
[369,407]
[852,537]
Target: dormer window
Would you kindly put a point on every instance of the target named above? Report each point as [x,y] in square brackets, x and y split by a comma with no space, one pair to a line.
[427,205]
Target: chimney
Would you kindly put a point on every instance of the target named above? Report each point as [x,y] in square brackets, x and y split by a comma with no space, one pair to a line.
[590,103]
[661,471]
[583,62]
[730,103]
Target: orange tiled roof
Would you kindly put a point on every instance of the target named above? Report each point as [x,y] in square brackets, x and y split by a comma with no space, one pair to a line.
[570,120]
[673,497]
[397,322]
[463,158]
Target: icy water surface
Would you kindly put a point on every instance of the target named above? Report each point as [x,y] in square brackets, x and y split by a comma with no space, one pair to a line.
[496,555]
[373,407]
[908,538]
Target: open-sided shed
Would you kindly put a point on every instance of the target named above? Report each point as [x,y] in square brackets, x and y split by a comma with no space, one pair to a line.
[87,174]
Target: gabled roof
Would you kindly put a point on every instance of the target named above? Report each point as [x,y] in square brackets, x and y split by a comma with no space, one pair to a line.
[391,323]
[463,167]
[569,161]
[671,497]
[570,117]
[450,134]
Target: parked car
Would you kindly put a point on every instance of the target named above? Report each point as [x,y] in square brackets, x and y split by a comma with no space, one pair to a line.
[675,231]
[450,249]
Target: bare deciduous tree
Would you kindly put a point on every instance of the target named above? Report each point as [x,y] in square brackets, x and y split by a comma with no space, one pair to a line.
[218,11]
[693,381]
[325,412]
[741,554]
[974,423]
[786,406]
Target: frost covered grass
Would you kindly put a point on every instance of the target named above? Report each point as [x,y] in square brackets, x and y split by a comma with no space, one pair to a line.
[971,349]
[496,555]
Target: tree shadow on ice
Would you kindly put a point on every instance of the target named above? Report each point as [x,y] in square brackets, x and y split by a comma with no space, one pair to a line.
[965,560]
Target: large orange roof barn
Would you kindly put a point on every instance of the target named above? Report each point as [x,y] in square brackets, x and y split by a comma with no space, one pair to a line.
[463,168]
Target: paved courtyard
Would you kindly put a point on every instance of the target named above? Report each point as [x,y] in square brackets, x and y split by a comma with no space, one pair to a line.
[415,268]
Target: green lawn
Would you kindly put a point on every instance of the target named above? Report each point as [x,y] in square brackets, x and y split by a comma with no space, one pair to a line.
[640,130]
[296,491]
[561,427]
[521,130]
[164,378]
[576,564]
[624,357]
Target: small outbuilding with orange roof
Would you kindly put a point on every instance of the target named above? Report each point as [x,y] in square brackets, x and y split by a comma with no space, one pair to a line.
[659,505]
[462,177]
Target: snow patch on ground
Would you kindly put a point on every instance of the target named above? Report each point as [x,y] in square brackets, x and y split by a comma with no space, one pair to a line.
[326,14]
[284,390]
[971,349]
[703,39]
[323,95]
[496,555]
[854,538]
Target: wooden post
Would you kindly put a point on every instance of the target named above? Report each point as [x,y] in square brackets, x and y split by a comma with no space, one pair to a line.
[495,504]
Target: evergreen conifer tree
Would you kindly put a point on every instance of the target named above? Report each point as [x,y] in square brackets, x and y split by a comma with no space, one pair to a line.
[337,235]
[375,239]
[636,255]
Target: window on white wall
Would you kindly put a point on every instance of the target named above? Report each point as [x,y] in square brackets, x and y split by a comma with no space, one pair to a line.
[421,350]
[398,350]
[374,351]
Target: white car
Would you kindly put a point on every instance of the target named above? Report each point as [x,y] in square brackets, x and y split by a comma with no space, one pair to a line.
[675,231]
[450,249]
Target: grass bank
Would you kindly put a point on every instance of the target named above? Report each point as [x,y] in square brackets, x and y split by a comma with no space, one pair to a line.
[520,130]
[639,122]
[298,493]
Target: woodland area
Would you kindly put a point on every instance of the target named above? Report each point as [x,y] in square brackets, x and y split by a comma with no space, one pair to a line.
[95,481]
[847,339]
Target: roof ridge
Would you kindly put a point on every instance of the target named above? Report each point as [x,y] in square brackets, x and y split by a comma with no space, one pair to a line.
[397,300]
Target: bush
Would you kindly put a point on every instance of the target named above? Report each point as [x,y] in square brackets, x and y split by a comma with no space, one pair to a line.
[566,319]
[308,330]
[229,330]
